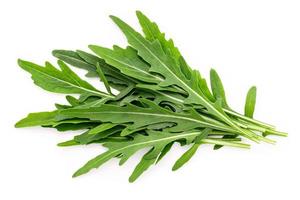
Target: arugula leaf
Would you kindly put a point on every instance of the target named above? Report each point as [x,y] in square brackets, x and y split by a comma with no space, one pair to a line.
[101,128]
[217,87]
[165,65]
[143,165]
[164,151]
[74,59]
[153,33]
[72,100]
[189,153]
[87,138]
[103,78]
[140,117]
[250,102]
[82,59]
[127,61]
[65,81]
[157,140]
[161,100]
[37,119]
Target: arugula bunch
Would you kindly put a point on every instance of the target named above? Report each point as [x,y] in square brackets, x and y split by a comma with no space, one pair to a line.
[158,100]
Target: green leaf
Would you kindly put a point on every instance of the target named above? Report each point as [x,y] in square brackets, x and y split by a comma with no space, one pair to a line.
[142,166]
[127,61]
[250,102]
[87,138]
[68,143]
[103,78]
[189,153]
[74,127]
[88,62]
[153,33]
[154,139]
[139,117]
[127,149]
[74,59]
[217,87]
[72,100]
[185,157]
[166,66]
[65,81]
[37,119]
[101,128]
[164,151]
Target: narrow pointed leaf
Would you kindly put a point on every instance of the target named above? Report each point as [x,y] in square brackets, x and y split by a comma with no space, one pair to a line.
[103,78]
[217,87]
[250,102]
[142,166]
[37,119]
[185,157]
[189,153]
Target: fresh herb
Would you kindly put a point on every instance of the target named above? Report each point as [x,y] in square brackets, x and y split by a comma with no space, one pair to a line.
[153,99]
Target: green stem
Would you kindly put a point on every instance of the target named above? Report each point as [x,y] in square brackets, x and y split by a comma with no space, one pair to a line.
[226,143]
[274,132]
[233,113]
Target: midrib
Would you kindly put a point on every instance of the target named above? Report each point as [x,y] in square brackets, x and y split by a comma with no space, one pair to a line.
[162,115]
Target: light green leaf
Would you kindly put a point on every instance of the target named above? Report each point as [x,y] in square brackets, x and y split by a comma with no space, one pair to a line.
[250,102]
[72,100]
[142,166]
[37,119]
[189,153]
[217,87]
[68,143]
[101,128]
[185,157]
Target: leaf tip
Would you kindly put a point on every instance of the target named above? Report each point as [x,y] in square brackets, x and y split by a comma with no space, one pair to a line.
[131,179]
[213,73]
[174,168]
[21,123]
[18,125]
[76,174]
[21,63]
[55,52]
[93,47]
[113,17]
[139,13]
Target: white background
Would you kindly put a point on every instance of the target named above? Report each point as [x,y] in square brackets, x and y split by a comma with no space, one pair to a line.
[248,42]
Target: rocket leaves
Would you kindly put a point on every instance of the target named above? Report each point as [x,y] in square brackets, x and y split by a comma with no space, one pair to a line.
[153,99]
[61,81]
[250,102]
